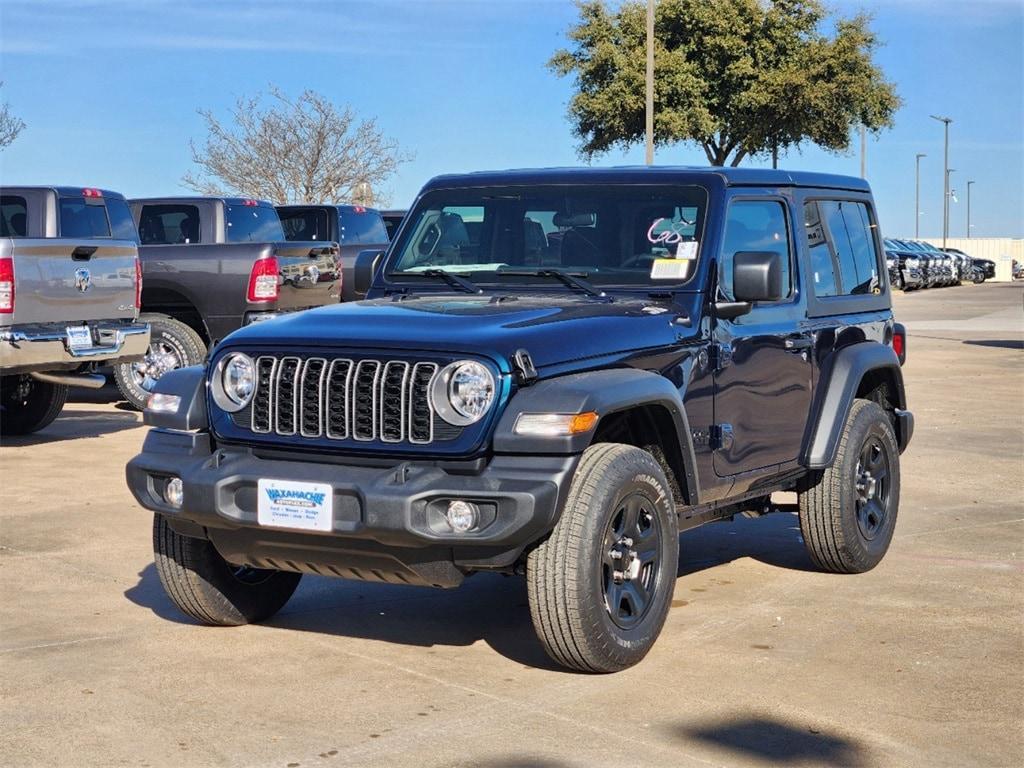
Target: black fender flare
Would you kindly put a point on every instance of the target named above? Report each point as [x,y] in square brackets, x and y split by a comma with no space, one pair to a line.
[840,378]
[603,392]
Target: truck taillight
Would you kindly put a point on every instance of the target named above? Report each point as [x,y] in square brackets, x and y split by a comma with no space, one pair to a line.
[6,286]
[899,342]
[263,281]
[138,283]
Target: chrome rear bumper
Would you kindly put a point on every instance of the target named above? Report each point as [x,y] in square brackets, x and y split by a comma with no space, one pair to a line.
[45,347]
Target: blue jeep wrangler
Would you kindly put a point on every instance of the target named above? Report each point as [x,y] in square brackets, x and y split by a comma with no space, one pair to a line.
[555,372]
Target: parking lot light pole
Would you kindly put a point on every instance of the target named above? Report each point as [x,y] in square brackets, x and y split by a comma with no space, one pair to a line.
[917,198]
[969,209]
[945,177]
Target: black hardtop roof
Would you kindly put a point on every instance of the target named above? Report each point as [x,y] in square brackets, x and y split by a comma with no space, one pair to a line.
[656,174]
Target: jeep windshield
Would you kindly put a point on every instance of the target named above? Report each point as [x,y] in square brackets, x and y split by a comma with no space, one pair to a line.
[611,235]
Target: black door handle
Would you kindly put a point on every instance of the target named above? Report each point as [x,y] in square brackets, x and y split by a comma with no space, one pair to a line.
[798,343]
[83,252]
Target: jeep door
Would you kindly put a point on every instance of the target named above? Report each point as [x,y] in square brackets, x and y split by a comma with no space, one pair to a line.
[762,359]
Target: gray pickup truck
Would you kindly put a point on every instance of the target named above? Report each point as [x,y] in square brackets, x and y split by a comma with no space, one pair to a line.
[70,283]
[355,228]
[210,266]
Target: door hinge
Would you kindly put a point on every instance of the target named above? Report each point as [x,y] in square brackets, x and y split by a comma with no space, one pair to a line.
[721,438]
[719,356]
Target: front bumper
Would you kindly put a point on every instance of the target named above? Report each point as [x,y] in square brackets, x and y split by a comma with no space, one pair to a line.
[45,348]
[388,521]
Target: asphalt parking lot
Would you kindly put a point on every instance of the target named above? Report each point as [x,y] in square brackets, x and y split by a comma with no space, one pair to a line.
[762,661]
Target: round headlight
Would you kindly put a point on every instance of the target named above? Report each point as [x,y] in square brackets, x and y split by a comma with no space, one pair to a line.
[463,392]
[234,381]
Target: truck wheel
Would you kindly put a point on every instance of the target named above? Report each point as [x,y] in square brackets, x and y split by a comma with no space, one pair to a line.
[211,590]
[848,516]
[172,345]
[600,586]
[29,404]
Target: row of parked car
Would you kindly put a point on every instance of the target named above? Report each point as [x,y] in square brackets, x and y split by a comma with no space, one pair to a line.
[93,283]
[915,264]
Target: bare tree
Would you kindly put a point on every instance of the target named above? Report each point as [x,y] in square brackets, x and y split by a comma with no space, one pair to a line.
[10,126]
[306,150]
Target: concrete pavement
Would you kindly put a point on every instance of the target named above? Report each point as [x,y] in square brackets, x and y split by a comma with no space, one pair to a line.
[762,660]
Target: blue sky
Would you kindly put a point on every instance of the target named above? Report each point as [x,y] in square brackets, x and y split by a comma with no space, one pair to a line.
[109,90]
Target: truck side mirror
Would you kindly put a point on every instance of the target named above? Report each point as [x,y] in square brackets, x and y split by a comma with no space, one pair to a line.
[757,276]
[364,270]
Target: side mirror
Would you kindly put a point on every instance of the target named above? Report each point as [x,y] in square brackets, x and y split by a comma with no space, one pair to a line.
[756,276]
[364,271]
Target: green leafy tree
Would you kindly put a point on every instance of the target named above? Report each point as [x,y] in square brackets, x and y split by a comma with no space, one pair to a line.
[738,77]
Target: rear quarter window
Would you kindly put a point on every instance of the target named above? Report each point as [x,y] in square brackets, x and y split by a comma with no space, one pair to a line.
[361,226]
[13,216]
[309,224]
[253,224]
[82,219]
[122,225]
[172,224]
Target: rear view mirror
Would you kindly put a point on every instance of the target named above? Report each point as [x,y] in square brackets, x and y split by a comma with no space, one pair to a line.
[364,271]
[757,276]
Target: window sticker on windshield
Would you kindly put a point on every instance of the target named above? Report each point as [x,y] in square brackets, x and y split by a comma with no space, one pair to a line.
[686,250]
[670,269]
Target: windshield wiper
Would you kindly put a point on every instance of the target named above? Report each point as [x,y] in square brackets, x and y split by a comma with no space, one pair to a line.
[569,279]
[453,280]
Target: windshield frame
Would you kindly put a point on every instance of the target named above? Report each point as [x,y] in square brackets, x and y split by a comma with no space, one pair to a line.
[390,280]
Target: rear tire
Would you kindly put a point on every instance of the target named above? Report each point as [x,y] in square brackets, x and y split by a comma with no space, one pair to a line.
[211,590]
[847,517]
[172,345]
[594,611]
[29,404]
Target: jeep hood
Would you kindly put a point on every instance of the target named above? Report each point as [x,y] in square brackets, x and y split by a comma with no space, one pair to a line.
[553,328]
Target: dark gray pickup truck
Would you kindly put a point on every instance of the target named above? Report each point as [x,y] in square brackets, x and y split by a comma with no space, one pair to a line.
[355,227]
[69,293]
[211,265]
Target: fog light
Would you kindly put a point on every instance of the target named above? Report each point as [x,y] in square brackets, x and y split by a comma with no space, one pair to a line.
[462,516]
[174,492]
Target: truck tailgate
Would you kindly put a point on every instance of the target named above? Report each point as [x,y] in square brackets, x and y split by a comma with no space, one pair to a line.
[310,274]
[65,280]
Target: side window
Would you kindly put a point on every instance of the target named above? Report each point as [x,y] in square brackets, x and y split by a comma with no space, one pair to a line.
[13,216]
[169,224]
[122,226]
[823,270]
[81,218]
[844,259]
[854,245]
[755,225]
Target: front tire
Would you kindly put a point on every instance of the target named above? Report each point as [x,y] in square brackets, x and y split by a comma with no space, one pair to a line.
[172,345]
[205,586]
[29,404]
[847,517]
[601,585]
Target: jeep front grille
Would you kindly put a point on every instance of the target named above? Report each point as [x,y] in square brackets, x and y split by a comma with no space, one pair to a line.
[343,399]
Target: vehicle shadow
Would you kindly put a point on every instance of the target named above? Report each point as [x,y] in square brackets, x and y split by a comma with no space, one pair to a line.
[776,743]
[488,607]
[774,539]
[75,424]
[998,343]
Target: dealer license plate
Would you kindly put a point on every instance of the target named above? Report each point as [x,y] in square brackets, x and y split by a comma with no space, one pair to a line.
[79,337]
[287,504]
